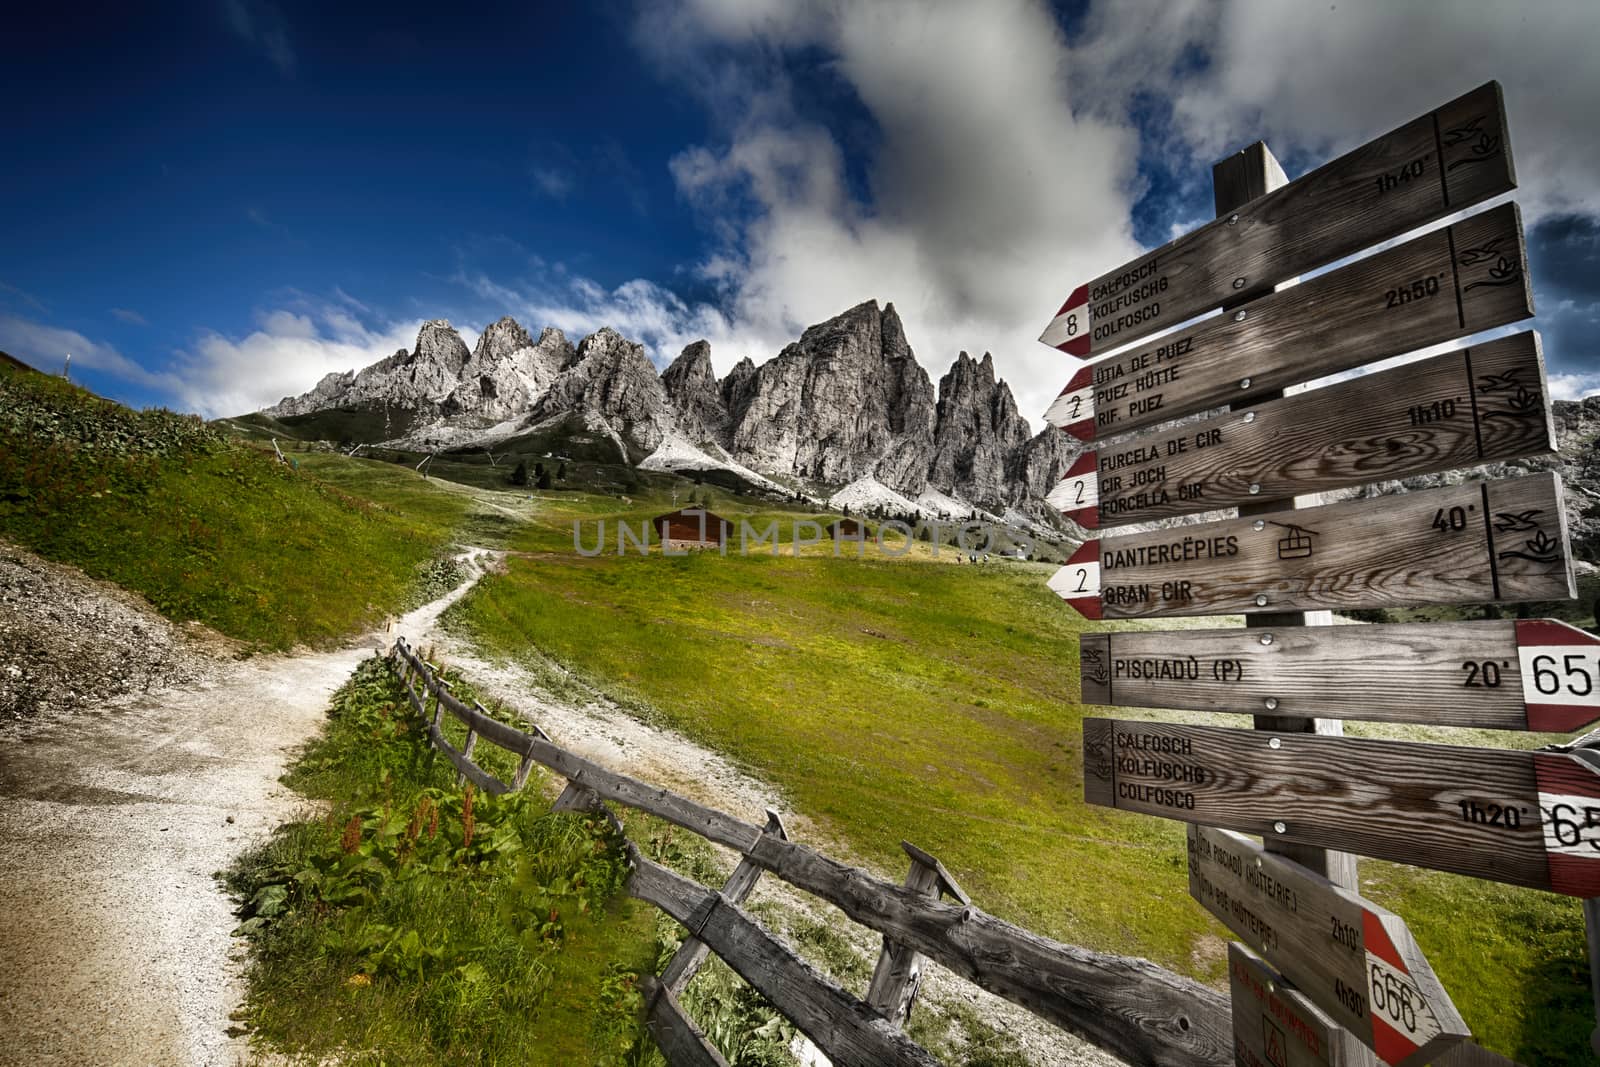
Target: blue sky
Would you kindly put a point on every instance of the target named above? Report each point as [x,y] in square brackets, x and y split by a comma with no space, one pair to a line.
[213,204]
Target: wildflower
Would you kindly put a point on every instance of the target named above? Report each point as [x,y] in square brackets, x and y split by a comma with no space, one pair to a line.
[351,839]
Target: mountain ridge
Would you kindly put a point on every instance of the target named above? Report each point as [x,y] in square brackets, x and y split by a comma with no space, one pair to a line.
[848,400]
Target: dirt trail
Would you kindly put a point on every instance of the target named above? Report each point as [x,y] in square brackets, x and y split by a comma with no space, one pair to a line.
[115,943]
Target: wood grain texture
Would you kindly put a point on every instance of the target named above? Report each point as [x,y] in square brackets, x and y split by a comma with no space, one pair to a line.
[1478,405]
[1321,937]
[692,952]
[1478,541]
[1129,1007]
[848,1032]
[1274,1024]
[682,1042]
[1442,162]
[898,973]
[1472,811]
[1440,674]
[1473,276]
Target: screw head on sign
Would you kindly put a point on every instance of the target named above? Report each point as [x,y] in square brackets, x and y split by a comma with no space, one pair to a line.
[1240,315]
[1233,220]
[1244,383]
[1272,705]
[1259,524]
[1281,827]
[1255,487]
[1238,283]
[1261,600]
[1249,416]
[1266,639]
[1275,743]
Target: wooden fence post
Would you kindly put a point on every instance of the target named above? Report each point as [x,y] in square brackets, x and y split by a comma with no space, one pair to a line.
[682,1042]
[692,953]
[898,975]
[1237,180]
[526,766]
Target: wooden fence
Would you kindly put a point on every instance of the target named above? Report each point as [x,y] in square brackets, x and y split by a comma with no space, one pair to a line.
[1131,1008]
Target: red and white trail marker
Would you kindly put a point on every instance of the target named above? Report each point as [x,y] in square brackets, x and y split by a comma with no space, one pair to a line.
[1069,330]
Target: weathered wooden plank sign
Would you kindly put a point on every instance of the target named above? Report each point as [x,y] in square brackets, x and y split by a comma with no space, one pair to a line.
[1474,406]
[1275,1026]
[1528,674]
[1524,818]
[1354,960]
[1451,283]
[1479,541]
[1445,161]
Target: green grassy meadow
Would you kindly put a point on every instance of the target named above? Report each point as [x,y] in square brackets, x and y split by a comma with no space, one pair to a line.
[208,528]
[917,699]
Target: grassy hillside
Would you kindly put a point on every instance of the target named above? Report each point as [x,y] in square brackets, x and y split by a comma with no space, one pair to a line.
[419,923]
[206,527]
[916,699]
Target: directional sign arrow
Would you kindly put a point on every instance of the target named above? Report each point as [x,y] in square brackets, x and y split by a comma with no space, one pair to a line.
[1276,1026]
[1443,162]
[1450,283]
[1352,959]
[1473,406]
[1524,818]
[1528,674]
[1480,541]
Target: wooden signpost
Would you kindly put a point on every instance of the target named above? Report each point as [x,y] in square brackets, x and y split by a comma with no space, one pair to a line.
[1339,980]
[1478,541]
[1528,674]
[1443,285]
[1477,405]
[1352,959]
[1274,1026]
[1524,818]
[1445,161]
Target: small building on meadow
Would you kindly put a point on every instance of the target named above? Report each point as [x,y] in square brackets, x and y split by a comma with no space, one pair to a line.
[691,528]
[850,530]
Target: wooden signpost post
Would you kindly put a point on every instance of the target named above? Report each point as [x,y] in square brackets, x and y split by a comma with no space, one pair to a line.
[1337,976]
[1478,541]
[1477,405]
[1527,674]
[1523,818]
[1443,162]
[1353,960]
[1275,1026]
[1447,284]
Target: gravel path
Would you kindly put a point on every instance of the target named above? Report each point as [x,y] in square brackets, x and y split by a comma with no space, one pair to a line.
[115,943]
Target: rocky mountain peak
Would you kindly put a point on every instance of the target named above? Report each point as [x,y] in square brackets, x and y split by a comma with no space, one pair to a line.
[978,433]
[439,344]
[613,378]
[501,338]
[691,385]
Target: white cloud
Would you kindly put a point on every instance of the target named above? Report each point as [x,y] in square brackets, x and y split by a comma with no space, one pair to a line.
[261,25]
[554,182]
[1320,79]
[988,199]
[46,347]
[1574,386]
[132,318]
[288,353]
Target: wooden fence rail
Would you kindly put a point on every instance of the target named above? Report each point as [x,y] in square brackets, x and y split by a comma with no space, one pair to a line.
[1131,1008]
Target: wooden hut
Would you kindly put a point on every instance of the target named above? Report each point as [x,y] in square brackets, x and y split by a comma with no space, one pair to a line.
[691,528]
[850,530]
